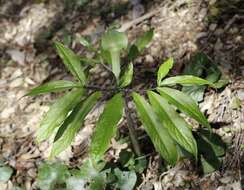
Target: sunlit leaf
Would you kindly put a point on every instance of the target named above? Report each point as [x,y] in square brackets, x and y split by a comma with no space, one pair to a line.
[54,86]
[127,76]
[159,135]
[164,69]
[72,124]
[175,124]
[71,61]
[5,173]
[184,103]
[185,80]
[112,43]
[51,175]
[57,114]
[106,126]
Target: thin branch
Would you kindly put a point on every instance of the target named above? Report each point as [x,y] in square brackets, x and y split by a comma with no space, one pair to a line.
[132,132]
[95,87]
[126,90]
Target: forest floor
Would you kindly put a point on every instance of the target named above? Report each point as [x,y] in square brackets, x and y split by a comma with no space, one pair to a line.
[182,28]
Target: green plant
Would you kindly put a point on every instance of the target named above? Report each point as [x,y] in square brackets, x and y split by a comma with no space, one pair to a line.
[90,176]
[167,129]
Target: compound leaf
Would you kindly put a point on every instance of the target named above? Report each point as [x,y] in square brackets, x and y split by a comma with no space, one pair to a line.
[57,114]
[177,127]
[160,137]
[72,124]
[184,103]
[71,61]
[106,126]
[54,86]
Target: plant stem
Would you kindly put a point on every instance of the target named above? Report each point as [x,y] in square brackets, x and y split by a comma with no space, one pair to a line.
[132,132]
[95,87]
[127,90]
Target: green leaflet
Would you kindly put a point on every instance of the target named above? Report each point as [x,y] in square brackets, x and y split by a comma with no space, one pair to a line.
[127,77]
[115,61]
[140,44]
[184,103]
[71,61]
[106,126]
[72,124]
[185,80]
[164,69]
[53,86]
[57,114]
[144,40]
[112,43]
[160,137]
[174,123]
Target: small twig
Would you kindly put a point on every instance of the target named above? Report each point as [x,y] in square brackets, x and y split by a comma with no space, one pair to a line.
[132,23]
[95,87]
[132,133]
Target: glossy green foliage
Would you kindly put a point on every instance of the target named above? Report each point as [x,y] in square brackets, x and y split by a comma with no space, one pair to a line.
[112,44]
[72,124]
[106,126]
[177,127]
[127,76]
[53,86]
[184,103]
[57,113]
[185,80]
[71,61]
[164,70]
[156,131]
